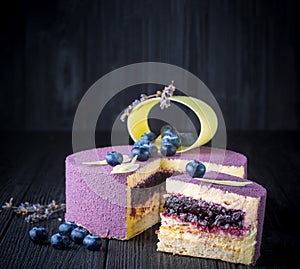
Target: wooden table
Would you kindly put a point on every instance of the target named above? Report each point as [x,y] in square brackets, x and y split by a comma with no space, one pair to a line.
[32,169]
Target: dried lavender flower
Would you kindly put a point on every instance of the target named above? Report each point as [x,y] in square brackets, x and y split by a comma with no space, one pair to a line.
[35,212]
[164,95]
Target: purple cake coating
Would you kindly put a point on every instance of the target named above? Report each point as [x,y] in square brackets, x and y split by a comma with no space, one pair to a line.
[218,156]
[253,190]
[97,200]
[91,210]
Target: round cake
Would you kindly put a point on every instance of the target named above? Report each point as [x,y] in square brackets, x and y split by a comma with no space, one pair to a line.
[123,205]
[206,206]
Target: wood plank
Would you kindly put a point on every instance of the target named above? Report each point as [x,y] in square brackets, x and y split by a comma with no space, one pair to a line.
[245,51]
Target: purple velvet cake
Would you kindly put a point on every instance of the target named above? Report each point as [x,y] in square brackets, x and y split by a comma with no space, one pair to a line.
[123,205]
[218,217]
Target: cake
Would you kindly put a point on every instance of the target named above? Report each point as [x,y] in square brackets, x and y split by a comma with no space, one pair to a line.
[123,205]
[204,218]
[118,196]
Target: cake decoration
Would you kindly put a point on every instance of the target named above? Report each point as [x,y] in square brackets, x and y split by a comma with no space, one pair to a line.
[114,158]
[126,159]
[164,96]
[225,182]
[145,147]
[126,167]
[137,120]
[170,141]
[195,168]
[103,162]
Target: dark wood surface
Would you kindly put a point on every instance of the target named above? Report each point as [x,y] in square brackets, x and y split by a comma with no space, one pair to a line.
[52,51]
[32,169]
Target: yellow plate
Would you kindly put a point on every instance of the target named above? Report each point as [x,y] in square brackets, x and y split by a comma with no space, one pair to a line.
[137,122]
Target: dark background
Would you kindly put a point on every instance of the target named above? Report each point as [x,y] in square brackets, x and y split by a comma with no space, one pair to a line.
[245,51]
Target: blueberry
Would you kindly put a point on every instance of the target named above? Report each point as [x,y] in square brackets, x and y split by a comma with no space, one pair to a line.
[66,228]
[38,235]
[92,242]
[146,146]
[78,234]
[168,132]
[195,169]
[149,136]
[167,149]
[219,220]
[192,218]
[59,241]
[114,158]
[166,128]
[236,215]
[141,143]
[174,139]
[143,154]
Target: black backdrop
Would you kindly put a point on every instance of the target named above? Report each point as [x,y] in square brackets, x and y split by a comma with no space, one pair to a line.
[245,51]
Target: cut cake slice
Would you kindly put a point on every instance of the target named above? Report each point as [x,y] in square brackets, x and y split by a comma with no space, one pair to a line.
[215,221]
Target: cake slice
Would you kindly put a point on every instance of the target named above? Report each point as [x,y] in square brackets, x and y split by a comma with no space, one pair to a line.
[124,205]
[204,219]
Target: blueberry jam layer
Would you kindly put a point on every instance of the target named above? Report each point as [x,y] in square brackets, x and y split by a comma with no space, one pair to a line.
[206,216]
[145,190]
[156,179]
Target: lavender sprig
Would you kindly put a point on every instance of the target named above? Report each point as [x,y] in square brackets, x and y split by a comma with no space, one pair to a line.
[164,95]
[35,212]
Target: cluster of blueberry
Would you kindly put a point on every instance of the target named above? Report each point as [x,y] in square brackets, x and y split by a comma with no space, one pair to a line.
[170,140]
[145,147]
[68,232]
